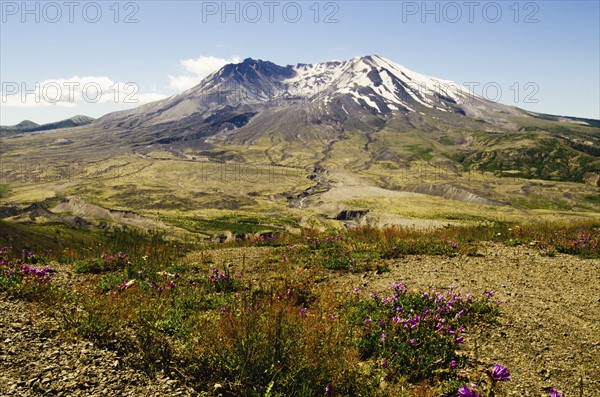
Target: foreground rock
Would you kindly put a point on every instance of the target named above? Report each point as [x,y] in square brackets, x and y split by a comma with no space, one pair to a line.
[37,360]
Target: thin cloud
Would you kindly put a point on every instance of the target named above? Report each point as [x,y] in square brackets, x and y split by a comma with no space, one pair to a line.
[197,69]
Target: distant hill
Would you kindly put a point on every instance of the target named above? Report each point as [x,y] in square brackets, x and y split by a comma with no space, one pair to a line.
[29,126]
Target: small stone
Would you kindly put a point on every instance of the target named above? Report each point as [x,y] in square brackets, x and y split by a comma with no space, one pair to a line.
[38,387]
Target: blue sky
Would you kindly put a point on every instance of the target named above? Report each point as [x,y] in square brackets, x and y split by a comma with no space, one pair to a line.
[538,55]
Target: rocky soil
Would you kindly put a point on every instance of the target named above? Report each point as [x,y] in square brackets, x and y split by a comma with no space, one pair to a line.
[36,360]
[549,333]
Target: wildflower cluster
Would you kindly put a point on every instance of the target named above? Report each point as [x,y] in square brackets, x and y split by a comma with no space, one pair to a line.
[451,243]
[222,281]
[216,277]
[114,261]
[335,252]
[106,263]
[19,276]
[264,239]
[317,242]
[582,241]
[33,274]
[418,335]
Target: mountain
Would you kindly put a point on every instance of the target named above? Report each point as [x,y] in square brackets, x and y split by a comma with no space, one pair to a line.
[357,94]
[296,114]
[30,126]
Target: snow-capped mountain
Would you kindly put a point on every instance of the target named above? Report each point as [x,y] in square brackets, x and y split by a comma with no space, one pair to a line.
[354,94]
[366,115]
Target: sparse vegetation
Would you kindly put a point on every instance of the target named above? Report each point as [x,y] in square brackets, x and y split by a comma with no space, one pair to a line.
[3,190]
[293,334]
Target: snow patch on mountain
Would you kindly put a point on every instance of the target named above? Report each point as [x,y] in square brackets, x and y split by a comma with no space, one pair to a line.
[371,77]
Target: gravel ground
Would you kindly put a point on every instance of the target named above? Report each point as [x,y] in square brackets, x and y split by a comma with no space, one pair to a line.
[35,360]
[549,334]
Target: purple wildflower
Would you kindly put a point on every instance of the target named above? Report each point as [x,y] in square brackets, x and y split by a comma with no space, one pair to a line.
[498,373]
[554,393]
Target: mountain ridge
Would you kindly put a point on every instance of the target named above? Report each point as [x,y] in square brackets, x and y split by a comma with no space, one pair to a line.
[30,126]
